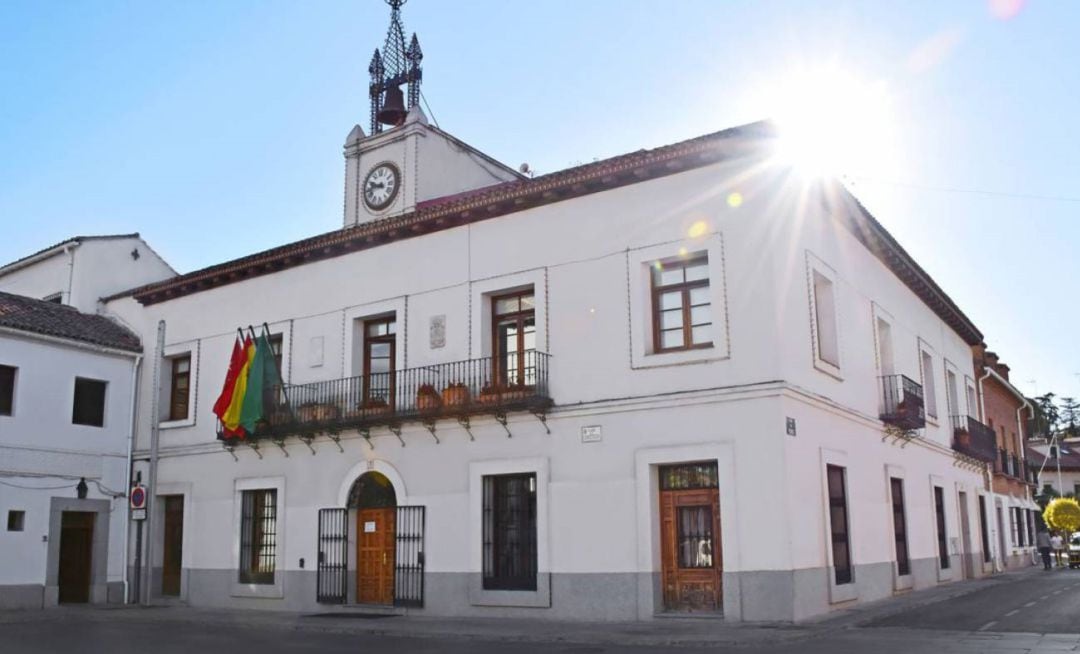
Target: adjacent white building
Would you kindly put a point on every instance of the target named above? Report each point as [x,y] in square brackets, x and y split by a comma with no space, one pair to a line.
[66,400]
[81,270]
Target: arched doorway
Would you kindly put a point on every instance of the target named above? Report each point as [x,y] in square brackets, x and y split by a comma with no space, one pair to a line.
[374,501]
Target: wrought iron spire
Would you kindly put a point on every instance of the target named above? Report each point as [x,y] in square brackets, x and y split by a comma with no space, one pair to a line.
[394,66]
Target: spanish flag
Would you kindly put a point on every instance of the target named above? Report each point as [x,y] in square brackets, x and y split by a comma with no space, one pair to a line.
[231,400]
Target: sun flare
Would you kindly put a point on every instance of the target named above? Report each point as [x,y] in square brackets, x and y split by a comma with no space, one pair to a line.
[833,123]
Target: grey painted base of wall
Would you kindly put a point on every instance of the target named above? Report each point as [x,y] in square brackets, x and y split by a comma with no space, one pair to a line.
[757,596]
[37,596]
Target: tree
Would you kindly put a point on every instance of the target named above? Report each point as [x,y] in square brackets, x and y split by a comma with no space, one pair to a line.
[1070,416]
[1047,416]
[1063,514]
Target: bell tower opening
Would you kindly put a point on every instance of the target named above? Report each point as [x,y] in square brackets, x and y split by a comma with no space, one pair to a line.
[397,64]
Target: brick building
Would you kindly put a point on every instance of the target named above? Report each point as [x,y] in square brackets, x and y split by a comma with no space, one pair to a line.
[1005,410]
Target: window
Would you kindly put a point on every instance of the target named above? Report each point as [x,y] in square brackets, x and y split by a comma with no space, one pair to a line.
[89,405]
[379,354]
[1021,527]
[1014,527]
[513,323]
[952,392]
[7,390]
[682,309]
[180,385]
[838,520]
[509,532]
[258,536]
[275,347]
[886,361]
[929,389]
[903,561]
[942,536]
[828,343]
[15,520]
[983,531]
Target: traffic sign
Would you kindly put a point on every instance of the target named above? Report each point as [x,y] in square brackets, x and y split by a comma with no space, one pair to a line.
[138,497]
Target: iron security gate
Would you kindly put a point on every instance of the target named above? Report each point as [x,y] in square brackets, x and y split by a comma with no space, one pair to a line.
[332,574]
[409,557]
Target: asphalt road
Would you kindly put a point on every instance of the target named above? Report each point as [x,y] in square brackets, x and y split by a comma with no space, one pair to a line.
[1033,613]
[1045,603]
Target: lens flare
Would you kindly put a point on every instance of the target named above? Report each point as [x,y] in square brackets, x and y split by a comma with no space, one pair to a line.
[698,229]
[734,200]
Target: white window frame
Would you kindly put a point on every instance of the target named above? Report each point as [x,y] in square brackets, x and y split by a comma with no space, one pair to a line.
[944,574]
[947,367]
[275,590]
[639,263]
[900,582]
[478,596]
[838,592]
[929,383]
[170,352]
[481,293]
[816,265]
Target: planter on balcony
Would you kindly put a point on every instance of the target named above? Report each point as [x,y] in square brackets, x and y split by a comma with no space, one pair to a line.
[374,406]
[317,412]
[455,395]
[427,398]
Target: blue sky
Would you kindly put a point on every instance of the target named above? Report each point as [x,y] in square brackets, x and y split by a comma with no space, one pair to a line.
[215,128]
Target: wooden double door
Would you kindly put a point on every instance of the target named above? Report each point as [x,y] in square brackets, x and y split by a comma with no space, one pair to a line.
[375,547]
[690,549]
[76,556]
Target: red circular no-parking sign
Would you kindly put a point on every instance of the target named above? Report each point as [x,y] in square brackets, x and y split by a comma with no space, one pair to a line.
[138,497]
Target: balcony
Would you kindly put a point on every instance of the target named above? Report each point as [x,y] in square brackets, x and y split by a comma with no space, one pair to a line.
[974,439]
[460,389]
[902,404]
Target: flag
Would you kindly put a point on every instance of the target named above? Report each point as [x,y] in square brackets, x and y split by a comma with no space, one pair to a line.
[236,364]
[231,418]
[262,378]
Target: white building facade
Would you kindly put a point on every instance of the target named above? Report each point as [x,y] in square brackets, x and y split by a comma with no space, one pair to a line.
[683,379]
[66,418]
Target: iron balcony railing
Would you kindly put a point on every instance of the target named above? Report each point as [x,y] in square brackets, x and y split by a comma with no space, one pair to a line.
[902,402]
[974,439]
[515,382]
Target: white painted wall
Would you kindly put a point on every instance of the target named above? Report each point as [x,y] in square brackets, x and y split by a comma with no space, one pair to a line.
[587,259]
[88,271]
[40,448]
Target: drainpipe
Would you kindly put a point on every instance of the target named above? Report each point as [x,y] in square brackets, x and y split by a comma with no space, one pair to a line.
[151,496]
[130,453]
[70,251]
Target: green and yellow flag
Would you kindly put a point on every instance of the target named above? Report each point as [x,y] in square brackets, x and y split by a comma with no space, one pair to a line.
[262,377]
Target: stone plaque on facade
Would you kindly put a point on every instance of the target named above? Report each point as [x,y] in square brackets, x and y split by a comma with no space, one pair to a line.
[437,331]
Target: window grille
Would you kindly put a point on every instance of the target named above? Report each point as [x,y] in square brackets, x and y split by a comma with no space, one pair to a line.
[509,532]
[332,566]
[942,536]
[903,562]
[258,536]
[838,520]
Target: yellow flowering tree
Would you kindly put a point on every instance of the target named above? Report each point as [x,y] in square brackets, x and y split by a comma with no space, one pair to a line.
[1063,514]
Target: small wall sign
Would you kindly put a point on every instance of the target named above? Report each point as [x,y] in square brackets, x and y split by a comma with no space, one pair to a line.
[791,426]
[369,527]
[437,331]
[592,434]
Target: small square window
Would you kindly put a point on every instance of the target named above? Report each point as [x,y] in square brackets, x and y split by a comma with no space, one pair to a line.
[15,520]
[89,405]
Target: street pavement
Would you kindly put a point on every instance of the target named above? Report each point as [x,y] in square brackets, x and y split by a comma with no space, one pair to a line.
[1029,611]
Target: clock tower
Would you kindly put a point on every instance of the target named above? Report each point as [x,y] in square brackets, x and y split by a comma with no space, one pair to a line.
[404,160]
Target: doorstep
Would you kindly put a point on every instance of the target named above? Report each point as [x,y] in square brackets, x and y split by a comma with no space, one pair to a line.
[359,610]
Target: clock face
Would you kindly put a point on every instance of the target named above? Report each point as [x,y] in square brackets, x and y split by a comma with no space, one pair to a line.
[381,186]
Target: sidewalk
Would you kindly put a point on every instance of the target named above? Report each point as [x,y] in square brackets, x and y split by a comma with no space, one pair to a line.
[663,631]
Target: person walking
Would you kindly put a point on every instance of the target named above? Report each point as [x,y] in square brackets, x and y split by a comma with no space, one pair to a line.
[1042,542]
[1057,543]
